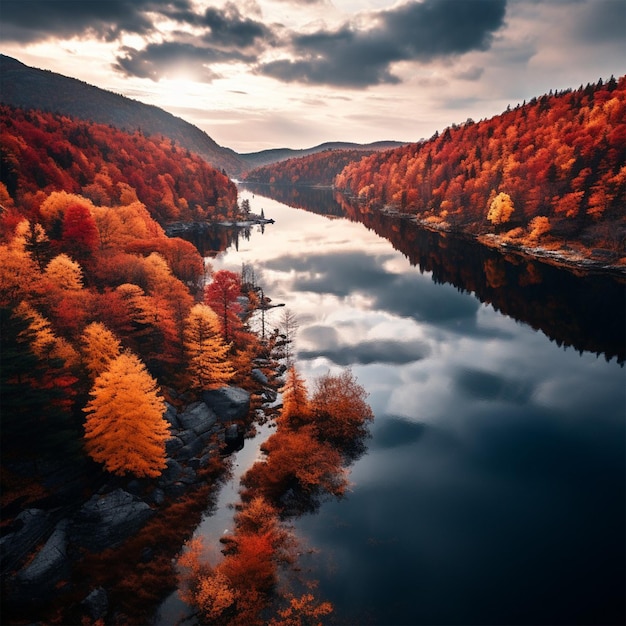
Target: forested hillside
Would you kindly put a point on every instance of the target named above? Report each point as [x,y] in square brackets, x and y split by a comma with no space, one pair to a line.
[32,88]
[314,169]
[44,152]
[268,157]
[550,172]
[107,332]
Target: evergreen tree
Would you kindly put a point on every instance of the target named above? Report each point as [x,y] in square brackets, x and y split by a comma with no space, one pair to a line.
[125,429]
[209,367]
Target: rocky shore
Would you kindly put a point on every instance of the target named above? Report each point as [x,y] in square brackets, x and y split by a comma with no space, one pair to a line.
[41,547]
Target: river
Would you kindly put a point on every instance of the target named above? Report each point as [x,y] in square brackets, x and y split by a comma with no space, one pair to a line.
[493,487]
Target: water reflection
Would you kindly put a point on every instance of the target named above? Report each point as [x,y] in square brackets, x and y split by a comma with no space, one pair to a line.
[586,312]
[494,484]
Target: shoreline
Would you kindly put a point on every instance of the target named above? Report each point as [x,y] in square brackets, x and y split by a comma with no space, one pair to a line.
[560,258]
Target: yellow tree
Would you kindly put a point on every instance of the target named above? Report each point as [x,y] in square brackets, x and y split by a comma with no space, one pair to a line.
[125,429]
[44,342]
[64,273]
[500,209]
[18,274]
[99,346]
[538,227]
[209,367]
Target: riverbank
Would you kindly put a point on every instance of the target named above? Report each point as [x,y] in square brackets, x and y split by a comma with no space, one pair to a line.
[87,552]
[179,229]
[565,256]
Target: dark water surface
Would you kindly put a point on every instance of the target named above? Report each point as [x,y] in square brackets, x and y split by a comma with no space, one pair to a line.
[493,488]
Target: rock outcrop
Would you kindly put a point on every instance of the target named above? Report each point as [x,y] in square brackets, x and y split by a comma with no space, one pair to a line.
[106,520]
[229,403]
[38,580]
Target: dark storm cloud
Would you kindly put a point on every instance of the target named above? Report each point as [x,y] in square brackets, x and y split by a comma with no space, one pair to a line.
[391,431]
[407,295]
[159,60]
[228,27]
[331,346]
[226,38]
[489,386]
[36,20]
[416,31]
[340,273]
[391,351]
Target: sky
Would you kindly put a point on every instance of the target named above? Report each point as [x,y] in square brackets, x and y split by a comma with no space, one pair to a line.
[260,74]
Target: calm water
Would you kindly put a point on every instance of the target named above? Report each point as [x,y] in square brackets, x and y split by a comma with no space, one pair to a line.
[493,489]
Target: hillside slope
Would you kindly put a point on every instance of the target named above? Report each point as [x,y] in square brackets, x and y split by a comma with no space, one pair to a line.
[549,174]
[44,152]
[317,169]
[31,88]
[278,155]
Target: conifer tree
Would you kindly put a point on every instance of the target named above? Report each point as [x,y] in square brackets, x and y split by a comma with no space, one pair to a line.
[99,346]
[124,428]
[209,367]
[65,273]
[295,400]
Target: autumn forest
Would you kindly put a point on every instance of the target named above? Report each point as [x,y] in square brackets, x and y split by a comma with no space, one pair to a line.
[547,173]
[112,332]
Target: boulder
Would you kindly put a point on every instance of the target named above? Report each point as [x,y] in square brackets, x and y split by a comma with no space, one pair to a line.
[107,520]
[259,376]
[229,403]
[96,604]
[232,433]
[197,417]
[158,496]
[28,529]
[192,449]
[172,445]
[49,566]
[171,473]
[171,415]
[187,436]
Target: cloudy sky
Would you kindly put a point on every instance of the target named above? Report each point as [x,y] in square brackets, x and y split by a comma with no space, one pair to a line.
[257,74]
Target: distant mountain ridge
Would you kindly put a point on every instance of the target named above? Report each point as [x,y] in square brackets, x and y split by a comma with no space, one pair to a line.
[31,88]
[276,155]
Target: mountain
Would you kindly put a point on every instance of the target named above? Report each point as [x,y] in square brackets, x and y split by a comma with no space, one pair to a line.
[32,88]
[44,152]
[277,155]
[317,169]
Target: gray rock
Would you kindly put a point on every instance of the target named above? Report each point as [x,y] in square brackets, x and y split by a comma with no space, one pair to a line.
[259,376]
[190,450]
[171,473]
[96,604]
[229,403]
[176,490]
[172,445]
[232,433]
[188,476]
[205,459]
[158,496]
[171,415]
[107,520]
[197,417]
[187,436]
[31,525]
[48,567]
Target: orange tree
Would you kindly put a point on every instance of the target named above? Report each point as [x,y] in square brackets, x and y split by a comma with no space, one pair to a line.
[124,428]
